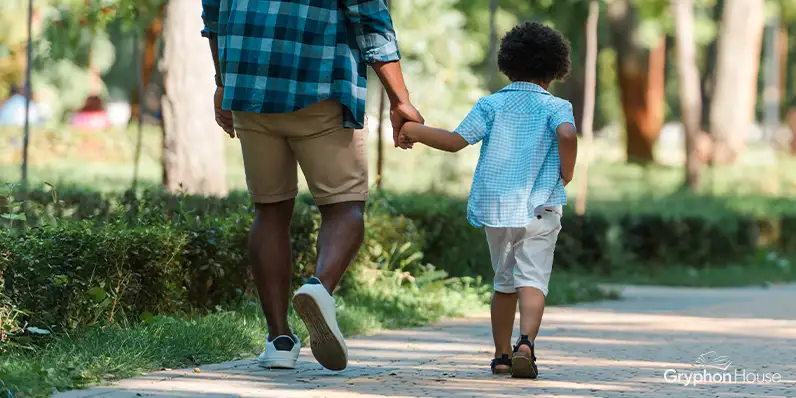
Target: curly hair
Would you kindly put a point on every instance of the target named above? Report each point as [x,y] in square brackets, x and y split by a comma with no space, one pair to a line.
[534,52]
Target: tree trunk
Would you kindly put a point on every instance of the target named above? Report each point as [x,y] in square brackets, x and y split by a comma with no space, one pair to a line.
[792,125]
[688,78]
[574,89]
[708,80]
[640,73]
[149,56]
[590,92]
[493,45]
[380,138]
[738,63]
[193,153]
[784,45]
[772,97]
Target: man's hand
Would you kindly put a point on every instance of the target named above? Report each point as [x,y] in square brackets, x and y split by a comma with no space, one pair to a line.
[400,114]
[223,117]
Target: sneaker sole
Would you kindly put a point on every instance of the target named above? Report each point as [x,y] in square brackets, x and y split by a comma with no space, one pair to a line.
[277,364]
[326,348]
[522,368]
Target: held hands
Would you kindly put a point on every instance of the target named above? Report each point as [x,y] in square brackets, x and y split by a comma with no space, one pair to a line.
[223,117]
[399,115]
[406,139]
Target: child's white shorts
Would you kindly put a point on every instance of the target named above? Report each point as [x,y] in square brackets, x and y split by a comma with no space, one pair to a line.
[523,257]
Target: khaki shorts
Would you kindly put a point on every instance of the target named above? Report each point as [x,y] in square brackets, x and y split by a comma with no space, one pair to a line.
[523,257]
[333,158]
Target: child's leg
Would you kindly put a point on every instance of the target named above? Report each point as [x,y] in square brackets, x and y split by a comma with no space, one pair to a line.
[534,256]
[504,301]
[531,312]
[504,307]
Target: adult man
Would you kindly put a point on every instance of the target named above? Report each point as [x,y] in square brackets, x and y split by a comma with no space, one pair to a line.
[291,77]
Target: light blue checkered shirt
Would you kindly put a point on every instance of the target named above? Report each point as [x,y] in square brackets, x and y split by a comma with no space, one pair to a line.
[519,168]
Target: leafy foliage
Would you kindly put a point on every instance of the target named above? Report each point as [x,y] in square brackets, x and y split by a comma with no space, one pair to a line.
[437,54]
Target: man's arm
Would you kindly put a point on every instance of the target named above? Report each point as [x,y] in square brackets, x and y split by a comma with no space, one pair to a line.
[375,37]
[567,150]
[441,139]
[213,40]
[210,10]
[371,22]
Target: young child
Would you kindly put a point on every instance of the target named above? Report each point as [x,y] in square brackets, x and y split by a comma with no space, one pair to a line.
[528,152]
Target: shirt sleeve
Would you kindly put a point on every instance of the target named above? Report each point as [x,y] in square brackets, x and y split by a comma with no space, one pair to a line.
[372,24]
[475,126]
[210,9]
[562,114]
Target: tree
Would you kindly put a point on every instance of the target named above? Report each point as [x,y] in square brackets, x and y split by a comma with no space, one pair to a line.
[491,54]
[708,77]
[588,102]
[738,62]
[640,73]
[193,153]
[689,87]
[193,156]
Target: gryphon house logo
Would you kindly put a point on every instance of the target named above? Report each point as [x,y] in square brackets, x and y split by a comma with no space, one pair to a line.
[711,359]
[714,369]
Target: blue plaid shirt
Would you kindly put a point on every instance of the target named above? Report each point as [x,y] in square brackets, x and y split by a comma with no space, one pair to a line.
[279,56]
[519,168]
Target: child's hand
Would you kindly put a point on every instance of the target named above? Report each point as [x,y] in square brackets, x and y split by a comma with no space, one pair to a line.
[405,139]
[405,142]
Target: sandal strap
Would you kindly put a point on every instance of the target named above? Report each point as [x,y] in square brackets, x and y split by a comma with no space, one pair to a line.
[503,360]
[524,341]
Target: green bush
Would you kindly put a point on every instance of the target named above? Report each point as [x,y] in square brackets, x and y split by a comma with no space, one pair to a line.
[787,234]
[460,249]
[598,241]
[76,273]
[694,241]
[584,242]
[66,276]
[450,242]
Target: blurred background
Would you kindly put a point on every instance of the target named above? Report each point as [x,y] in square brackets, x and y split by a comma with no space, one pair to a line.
[101,67]
[686,173]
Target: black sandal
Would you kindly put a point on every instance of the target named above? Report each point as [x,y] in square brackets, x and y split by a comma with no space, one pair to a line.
[521,365]
[503,360]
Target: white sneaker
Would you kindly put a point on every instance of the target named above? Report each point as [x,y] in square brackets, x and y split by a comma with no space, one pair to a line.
[316,308]
[280,353]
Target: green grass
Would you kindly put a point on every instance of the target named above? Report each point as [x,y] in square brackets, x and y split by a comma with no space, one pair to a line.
[95,355]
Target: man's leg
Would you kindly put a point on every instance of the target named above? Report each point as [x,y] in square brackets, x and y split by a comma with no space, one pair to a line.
[341,235]
[269,253]
[271,174]
[334,160]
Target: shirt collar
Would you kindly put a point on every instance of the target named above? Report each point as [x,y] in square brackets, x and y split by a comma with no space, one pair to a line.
[525,86]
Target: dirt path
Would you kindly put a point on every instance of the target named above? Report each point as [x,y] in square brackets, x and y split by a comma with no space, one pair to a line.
[609,349]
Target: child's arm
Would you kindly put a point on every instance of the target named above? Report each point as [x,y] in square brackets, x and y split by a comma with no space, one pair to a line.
[443,140]
[567,150]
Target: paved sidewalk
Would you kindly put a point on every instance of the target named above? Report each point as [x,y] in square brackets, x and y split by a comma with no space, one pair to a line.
[608,349]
